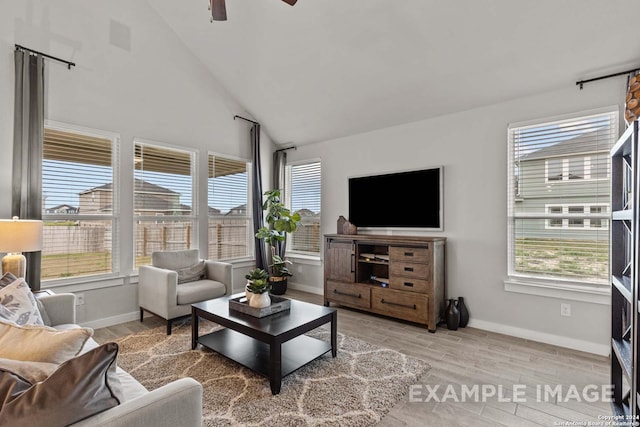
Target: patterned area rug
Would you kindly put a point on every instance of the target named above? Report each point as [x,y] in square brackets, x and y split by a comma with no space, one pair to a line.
[356,388]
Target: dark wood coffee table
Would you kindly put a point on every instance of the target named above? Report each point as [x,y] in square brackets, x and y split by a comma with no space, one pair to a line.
[273,346]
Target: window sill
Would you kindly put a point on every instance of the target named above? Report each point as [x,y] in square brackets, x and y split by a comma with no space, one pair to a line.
[575,292]
[85,283]
[304,259]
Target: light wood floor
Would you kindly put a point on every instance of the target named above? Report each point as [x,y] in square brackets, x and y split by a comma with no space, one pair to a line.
[469,357]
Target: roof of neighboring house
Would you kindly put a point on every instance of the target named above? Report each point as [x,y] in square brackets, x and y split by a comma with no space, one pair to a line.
[53,208]
[241,208]
[586,143]
[306,212]
[141,186]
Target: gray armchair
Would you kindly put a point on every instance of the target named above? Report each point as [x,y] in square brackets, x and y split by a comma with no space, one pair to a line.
[177,279]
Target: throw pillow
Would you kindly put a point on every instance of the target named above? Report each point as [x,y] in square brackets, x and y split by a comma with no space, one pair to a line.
[41,343]
[33,372]
[7,279]
[192,273]
[19,305]
[78,389]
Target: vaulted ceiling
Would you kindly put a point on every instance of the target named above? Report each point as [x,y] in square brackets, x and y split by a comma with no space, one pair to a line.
[323,69]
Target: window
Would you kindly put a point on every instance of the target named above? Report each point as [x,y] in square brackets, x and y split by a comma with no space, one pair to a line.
[582,216]
[163,199]
[304,196]
[230,227]
[79,208]
[558,220]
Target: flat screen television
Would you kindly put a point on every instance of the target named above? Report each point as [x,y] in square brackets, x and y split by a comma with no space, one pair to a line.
[411,199]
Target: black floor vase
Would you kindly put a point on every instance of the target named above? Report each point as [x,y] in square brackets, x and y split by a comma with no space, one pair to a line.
[453,315]
[464,312]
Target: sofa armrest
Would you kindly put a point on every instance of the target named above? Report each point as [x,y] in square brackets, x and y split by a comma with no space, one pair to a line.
[222,272]
[61,308]
[175,404]
[157,289]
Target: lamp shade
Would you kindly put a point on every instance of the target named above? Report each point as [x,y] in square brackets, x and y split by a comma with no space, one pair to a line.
[20,235]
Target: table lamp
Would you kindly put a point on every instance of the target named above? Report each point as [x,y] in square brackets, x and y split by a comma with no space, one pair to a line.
[16,236]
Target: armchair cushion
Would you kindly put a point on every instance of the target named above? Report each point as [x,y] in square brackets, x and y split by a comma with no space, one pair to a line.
[192,273]
[175,260]
[200,290]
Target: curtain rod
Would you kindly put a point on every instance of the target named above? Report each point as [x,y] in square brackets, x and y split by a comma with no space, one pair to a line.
[622,73]
[243,118]
[69,64]
[293,147]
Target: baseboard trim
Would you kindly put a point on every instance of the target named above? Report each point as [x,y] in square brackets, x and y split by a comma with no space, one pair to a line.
[543,337]
[305,288]
[114,320]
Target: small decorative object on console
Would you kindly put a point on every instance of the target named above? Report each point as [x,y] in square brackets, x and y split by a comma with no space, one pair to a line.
[345,227]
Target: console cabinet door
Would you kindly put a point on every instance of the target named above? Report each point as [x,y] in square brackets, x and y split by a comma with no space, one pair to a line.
[339,259]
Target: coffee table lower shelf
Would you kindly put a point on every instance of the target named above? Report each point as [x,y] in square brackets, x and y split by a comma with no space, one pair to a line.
[255,355]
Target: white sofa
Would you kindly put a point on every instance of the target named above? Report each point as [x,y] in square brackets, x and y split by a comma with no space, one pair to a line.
[176,404]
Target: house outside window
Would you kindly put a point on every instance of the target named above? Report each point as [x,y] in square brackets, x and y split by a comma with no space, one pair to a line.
[163,198]
[558,221]
[230,228]
[80,235]
[303,184]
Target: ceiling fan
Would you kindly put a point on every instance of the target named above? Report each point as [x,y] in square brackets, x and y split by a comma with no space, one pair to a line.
[219,11]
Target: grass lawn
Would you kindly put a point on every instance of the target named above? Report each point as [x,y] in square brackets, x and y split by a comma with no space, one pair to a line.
[570,259]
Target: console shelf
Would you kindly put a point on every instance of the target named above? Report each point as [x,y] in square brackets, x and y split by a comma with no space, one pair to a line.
[396,276]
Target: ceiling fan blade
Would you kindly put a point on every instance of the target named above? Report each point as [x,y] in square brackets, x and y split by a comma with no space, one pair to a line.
[218,10]
[290,2]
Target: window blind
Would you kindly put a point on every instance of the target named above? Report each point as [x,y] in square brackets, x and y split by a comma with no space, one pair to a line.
[79,213]
[230,233]
[163,199]
[304,196]
[559,198]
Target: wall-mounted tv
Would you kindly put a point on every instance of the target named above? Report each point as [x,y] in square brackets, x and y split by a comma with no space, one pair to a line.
[410,199]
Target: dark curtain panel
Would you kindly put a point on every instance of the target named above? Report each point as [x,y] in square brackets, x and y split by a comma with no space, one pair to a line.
[28,130]
[258,219]
[279,163]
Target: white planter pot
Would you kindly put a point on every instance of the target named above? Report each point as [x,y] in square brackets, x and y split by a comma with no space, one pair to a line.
[260,300]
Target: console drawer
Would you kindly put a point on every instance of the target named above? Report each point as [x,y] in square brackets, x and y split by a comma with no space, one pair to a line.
[351,294]
[409,284]
[398,253]
[409,269]
[403,305]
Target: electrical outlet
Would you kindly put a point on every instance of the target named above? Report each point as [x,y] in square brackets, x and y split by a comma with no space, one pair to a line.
[565,310]
[79,299]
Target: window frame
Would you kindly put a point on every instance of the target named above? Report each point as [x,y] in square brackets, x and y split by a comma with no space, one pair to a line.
[193,217]
[115,216]
[556,287]
[291,252]
[250,243]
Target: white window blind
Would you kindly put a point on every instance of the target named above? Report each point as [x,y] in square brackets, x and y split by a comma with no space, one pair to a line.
[230,227]
[559,199]
[79,209]
[304,196]
[163,197]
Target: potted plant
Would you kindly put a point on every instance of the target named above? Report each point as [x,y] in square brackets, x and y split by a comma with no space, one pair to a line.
[259,289]
[252,276]
[280,221]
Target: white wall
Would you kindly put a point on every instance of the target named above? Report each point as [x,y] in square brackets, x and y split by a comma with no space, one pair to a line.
[154,90]
[472,146]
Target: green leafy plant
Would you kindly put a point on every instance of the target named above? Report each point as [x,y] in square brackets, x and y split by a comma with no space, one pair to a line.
[259,286]
[280,221]
[256,274]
